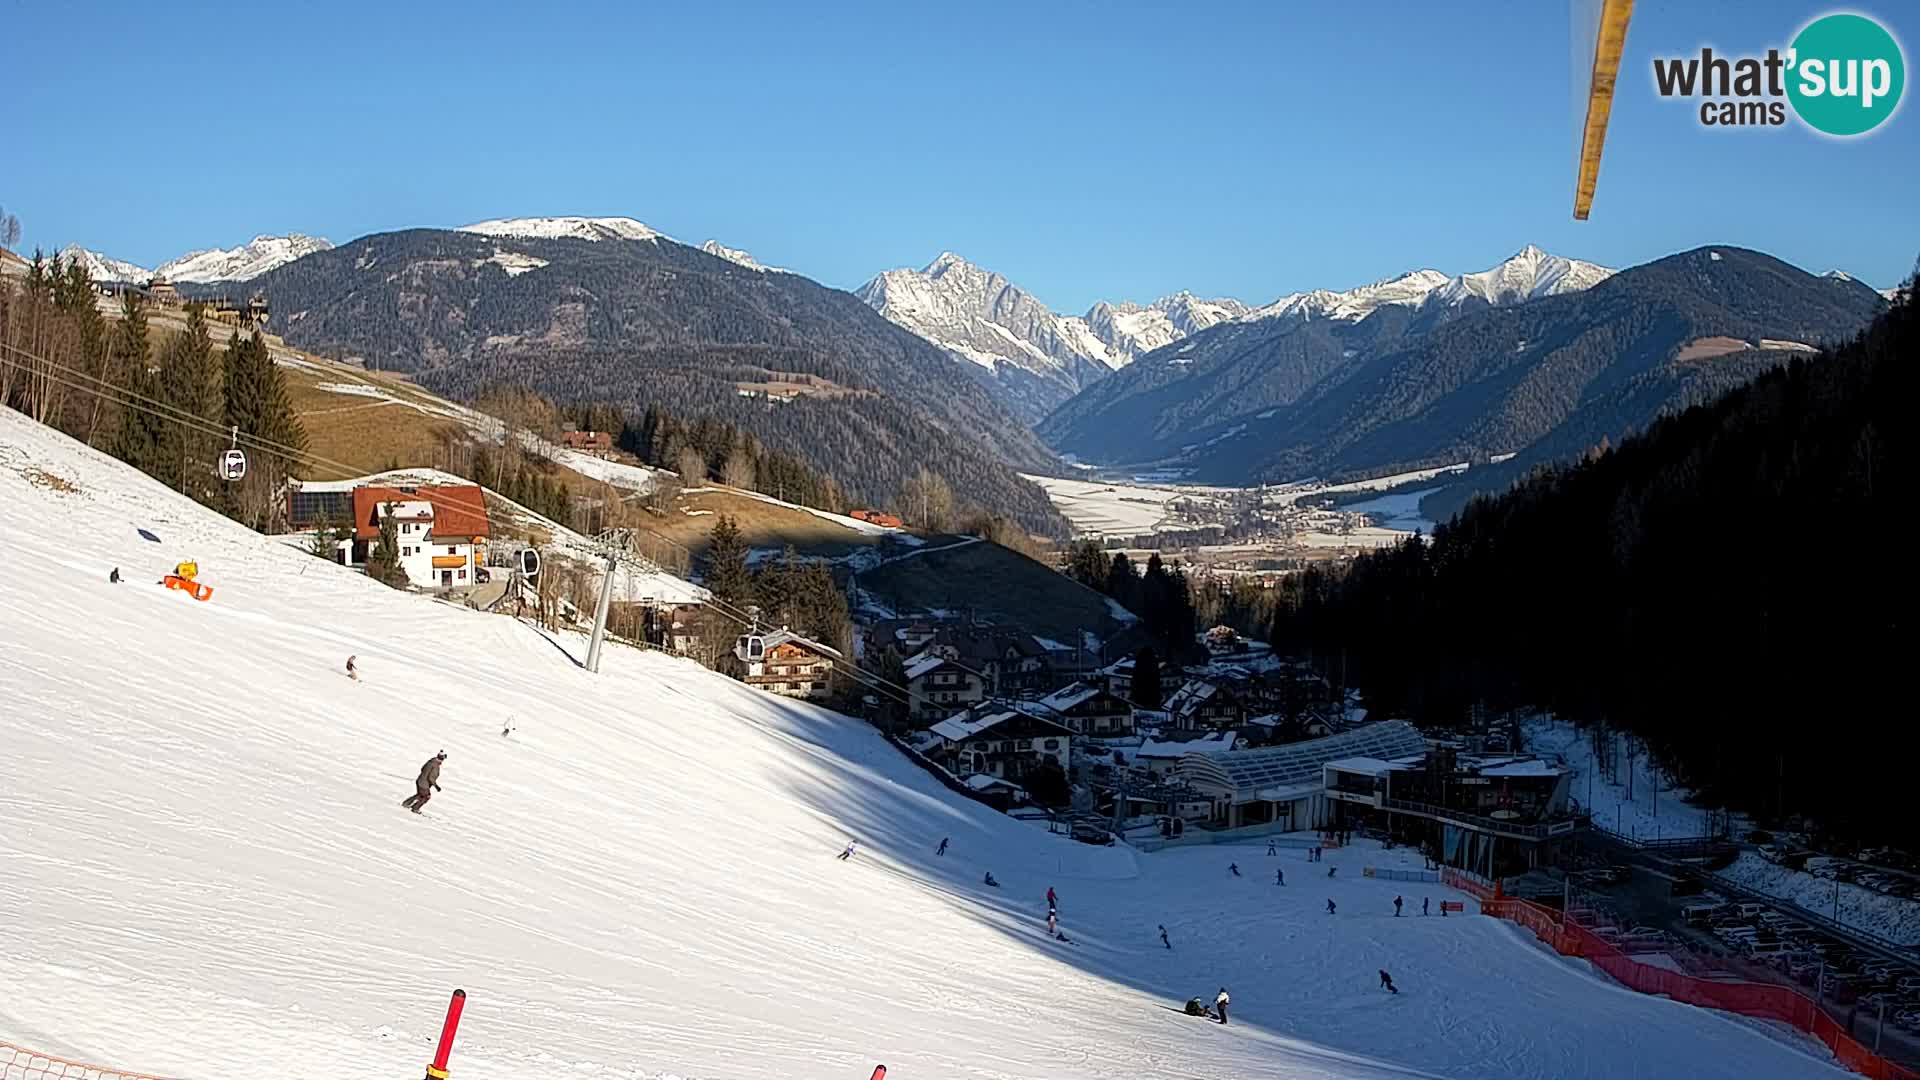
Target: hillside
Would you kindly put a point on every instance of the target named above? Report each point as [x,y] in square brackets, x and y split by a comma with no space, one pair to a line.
[1451,377]
[633,322]
[1661,586]
[206,858]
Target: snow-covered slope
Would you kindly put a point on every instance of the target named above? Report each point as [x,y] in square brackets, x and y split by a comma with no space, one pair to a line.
[105,268]
[244,263]
[567,228]
[205,862]
[735,255]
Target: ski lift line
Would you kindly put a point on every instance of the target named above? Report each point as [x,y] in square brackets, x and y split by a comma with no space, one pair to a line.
[139,402]
[1611,42]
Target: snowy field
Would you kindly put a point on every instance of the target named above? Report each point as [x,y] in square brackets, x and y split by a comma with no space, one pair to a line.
[1097,508]
[1890,917]
[1655,811]
[1400,512]
[204,867]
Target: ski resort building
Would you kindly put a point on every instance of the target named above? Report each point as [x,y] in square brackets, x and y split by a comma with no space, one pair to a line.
[1283,788]
[782,662]
[1495,814]
[442,531]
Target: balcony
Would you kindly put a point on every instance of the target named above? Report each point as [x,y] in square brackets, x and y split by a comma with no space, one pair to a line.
[1480,823]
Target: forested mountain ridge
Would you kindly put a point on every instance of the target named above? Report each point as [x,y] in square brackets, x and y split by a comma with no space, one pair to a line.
[1404,388]
[1682,586]
[633,323]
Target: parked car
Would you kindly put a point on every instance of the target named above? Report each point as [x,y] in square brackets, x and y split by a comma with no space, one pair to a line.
[1907,984]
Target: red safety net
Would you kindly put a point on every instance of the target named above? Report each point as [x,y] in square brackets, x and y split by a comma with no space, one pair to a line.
[1780,1003]
[20,1063]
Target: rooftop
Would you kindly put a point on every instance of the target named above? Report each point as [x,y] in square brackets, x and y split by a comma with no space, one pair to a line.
[1246,772]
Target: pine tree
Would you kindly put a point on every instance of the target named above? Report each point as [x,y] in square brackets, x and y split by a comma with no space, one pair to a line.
[383,557]
[1147,691]
[727,575]
[192,382]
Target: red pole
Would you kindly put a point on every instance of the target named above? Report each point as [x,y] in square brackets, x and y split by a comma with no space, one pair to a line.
[879,1073]
[438,1070]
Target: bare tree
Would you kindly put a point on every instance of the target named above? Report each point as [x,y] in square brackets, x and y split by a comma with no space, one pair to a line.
[9,229]
[738,471]
[692,467]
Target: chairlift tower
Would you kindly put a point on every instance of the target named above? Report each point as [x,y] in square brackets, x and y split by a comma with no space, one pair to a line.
[611,545]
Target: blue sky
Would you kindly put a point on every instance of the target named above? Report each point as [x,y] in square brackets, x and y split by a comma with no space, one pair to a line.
[1087,150]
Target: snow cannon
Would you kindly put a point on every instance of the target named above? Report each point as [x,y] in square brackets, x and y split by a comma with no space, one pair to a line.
[182,579]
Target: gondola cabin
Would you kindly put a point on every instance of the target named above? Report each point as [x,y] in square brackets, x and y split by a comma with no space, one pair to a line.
[233,465]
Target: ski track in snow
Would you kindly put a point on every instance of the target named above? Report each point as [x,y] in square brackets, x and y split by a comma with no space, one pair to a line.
[204,866]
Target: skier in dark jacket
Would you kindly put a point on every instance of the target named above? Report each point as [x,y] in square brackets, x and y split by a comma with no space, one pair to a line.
[1424,901]
[1330,907]
[114,578]
[1386,981]
[1396,906]
[1235,867]
[943,847]
[1279,877]
[1332,870]
[426,783]
[990,880]
[1163,937]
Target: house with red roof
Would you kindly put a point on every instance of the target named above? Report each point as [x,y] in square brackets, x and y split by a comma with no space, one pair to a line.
[441,530]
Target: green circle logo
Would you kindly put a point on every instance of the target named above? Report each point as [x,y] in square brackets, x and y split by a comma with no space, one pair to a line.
[1847,74]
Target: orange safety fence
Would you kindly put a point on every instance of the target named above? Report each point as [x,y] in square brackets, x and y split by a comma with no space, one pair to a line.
[1768,1002]
[20,1063]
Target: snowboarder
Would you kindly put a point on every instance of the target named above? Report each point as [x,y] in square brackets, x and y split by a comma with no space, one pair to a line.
[848,853]
[1396,907]
[1053,926]
[508,729]
[1330,908]
[1424,901]
[1279,877]
[1196,1007]
[990,880]
[352,672]
[426,783]
[1235,867]
[114,578]
[1271,850]
[1168,944]
[1386,981]
[1220,1004]
[942,850]
[1332,870]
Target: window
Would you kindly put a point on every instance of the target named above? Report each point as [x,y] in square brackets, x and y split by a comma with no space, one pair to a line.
[450,550]
[463,575]
[1053,744]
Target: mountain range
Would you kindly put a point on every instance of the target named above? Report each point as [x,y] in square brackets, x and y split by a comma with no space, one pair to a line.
[1415,372]
[243,263]
[609,310]
[1033,358]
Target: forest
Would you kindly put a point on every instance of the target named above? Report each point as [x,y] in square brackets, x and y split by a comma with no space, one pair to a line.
[166,404]
[1727,587]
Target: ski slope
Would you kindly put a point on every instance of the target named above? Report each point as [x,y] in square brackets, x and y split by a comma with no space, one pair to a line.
[205,872]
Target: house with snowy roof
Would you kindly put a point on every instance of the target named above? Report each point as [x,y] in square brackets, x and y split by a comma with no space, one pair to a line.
[996,741]
[1205,705]
[782,662]
[937,685]
[1089,709]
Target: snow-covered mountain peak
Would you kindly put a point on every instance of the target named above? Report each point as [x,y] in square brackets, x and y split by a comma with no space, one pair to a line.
[567,228]
[739,257]
[243,263]
[1530,274]
[102,267]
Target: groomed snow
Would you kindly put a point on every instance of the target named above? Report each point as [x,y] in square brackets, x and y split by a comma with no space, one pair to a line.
[206,869]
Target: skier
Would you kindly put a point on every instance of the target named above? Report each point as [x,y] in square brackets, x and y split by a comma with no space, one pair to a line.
[1424,901]
[1164,941]
[848,854]
[1396,907]
[1271,850]
[1332,870]
[1196,1007]
[1220,1004]
[1279,877]
[426,783]
[114,578]
[942,850]
[352,672]
[1052,900]
[1330,908]
[1386,981]
[990,880]
[1053,926]
[508,729]
[1235,867]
